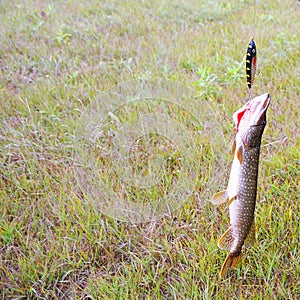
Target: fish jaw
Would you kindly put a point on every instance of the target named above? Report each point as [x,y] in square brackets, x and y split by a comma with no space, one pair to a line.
[251,120]
[253,113]
[261,106]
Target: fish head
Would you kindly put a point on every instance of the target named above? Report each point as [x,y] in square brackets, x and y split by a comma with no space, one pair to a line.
[251,119]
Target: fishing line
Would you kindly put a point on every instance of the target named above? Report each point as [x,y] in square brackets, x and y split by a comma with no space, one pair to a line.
[253,20]
[251,56]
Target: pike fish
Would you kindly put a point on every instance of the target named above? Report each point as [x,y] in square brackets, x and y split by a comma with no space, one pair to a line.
[250,122]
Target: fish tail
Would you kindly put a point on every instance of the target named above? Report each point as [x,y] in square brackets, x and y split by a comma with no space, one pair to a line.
[231,261]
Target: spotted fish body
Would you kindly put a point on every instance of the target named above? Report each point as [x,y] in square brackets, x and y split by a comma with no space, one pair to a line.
[250,122]
[251,63]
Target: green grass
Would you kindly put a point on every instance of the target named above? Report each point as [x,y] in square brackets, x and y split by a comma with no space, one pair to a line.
[55,57]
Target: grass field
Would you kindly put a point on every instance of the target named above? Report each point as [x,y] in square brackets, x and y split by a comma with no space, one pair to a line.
[55,56]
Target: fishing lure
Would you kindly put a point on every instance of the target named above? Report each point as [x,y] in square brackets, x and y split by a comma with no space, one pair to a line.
[251,63]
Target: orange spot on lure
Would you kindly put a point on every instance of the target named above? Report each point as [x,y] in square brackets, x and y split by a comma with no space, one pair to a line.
[251,63]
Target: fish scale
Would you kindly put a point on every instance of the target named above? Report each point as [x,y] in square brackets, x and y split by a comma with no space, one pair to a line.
[250,122]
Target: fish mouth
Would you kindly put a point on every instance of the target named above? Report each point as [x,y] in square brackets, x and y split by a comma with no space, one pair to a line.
[253,113]
[259,116]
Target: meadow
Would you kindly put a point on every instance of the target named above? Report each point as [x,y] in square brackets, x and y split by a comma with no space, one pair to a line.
[55,57]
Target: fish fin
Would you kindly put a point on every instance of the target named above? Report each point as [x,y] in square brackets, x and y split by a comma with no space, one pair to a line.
[233,147]
[240,154]
[231,261]
[220,198]
[231,199]
[250,239]
[226,240]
